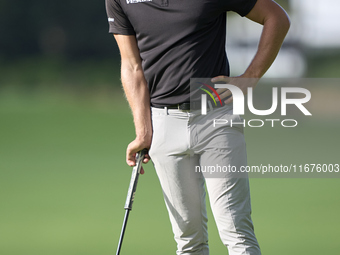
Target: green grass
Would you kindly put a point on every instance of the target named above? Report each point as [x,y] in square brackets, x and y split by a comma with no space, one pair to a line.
[63,183]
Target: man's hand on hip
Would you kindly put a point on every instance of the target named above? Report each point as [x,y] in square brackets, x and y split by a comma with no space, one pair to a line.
[240,81]
[276,24]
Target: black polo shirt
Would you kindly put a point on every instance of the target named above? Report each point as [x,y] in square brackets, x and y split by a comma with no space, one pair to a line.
[177,40]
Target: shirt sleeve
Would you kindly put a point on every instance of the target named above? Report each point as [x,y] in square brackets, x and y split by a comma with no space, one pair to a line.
[242,7]
[118,21]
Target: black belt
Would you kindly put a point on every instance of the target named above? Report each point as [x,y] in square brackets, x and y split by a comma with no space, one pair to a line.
[186,106]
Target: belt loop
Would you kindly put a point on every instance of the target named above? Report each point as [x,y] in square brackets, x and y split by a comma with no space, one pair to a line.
[166,110]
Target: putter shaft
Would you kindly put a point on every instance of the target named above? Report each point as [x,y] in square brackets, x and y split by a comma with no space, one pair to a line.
[123,231]
[131,194]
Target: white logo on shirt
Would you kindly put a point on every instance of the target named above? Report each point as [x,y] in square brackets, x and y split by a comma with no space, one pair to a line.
[137,1]
[111,19]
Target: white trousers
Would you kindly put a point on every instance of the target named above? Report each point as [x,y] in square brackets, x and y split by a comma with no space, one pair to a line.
[184,146]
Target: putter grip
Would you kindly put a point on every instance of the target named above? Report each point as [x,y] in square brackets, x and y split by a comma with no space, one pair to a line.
[134,179]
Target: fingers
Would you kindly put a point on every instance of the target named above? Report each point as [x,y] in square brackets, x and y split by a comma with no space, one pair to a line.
[225,79]
[146,158]
[225,95]
[131,151]
[222,92]
[229,100]
[131,154]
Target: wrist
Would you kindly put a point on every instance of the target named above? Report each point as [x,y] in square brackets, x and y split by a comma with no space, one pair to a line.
[144,138]
[252,74]
[249,80]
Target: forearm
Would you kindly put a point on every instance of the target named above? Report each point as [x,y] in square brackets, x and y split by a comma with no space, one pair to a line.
[137,94]
[275,23]
[275,28]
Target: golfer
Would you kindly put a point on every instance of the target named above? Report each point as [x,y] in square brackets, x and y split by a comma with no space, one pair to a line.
[163,44]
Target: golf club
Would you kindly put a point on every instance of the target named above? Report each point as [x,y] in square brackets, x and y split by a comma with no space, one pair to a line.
[131,193]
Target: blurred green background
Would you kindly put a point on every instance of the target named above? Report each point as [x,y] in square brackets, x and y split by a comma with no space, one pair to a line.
[64,128]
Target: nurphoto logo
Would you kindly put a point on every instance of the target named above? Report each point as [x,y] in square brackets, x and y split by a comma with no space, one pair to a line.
[278,95]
